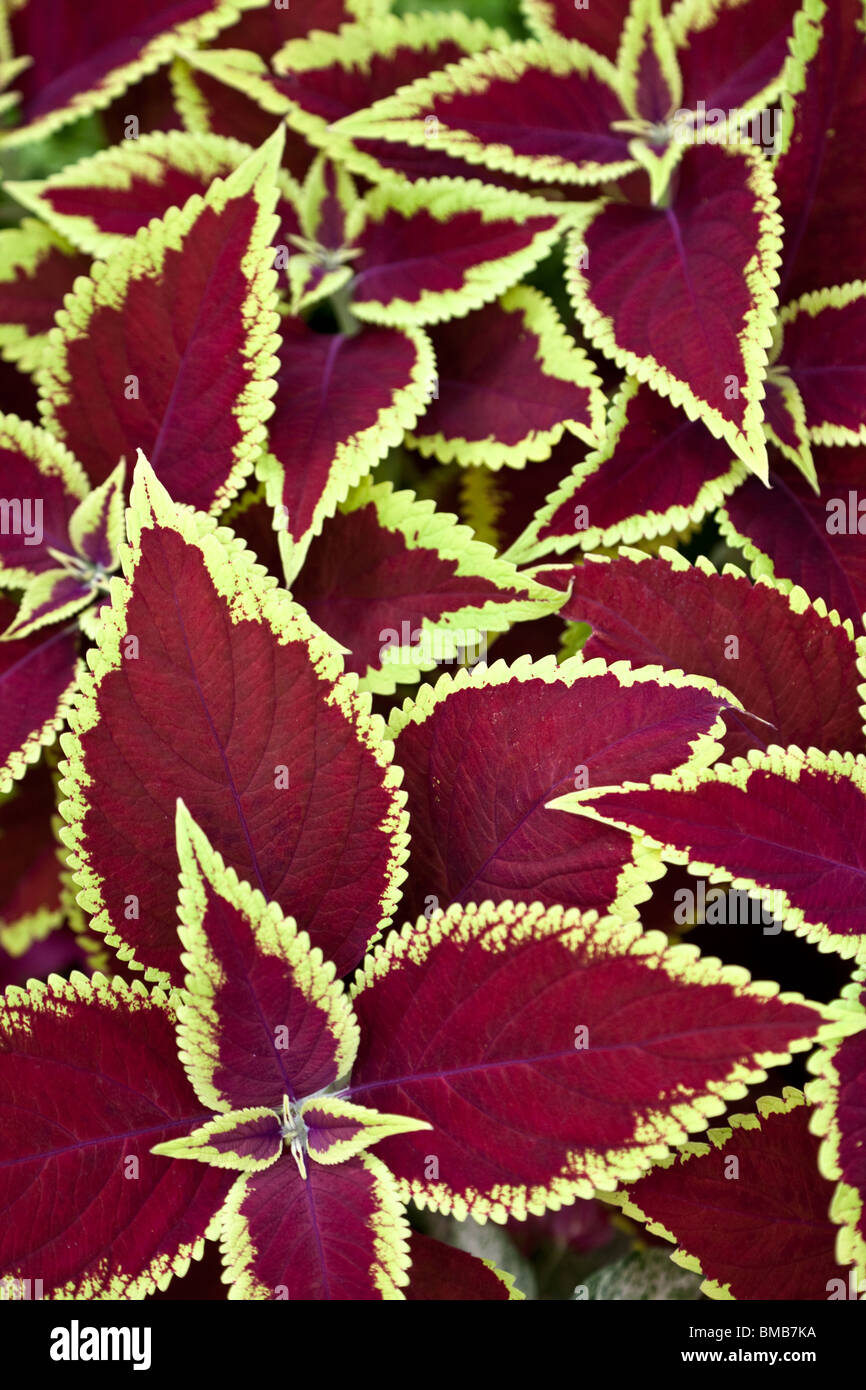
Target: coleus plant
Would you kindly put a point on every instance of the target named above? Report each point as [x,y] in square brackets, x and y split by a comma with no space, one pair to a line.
[331,323]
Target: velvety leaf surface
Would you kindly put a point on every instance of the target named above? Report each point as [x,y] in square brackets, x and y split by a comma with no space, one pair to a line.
[275,757]
[682,296]
[656,471]
[86,1208]
[590,1047]
[599,26]
[341,403]
[840,1095]
[38,676]
[770,1236]
[730,51]
[824,351]
[510,381]
[198,283]
[81,60]
[29,863]
[37,268]
[262,1018]
[338,1234]
[780,823]
[402,587]
[443,1273]
[788,664]
[265,30]
[47,483]
[814,541]
[484,753]
[819,176]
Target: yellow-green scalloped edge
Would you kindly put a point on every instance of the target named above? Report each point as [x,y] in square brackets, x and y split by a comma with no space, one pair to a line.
[38,592]
[18,936]
[791,1099]
[813,304]
[846,1209]
[141,256]
[783,762]
[761,276]
[195,1145]
[376,1126]
[540,19]
[86,517]
[113,993]
[690,16]
[250,593]
[655,1133]
[441,199]
[209,156]
[45,735]
[645,24]
[560,357]
[50,458]
[802,47]
[401,117]
[637,875]
[160,49]
[355,457]
[308,202]
[423,527]
[352,47]
[23,248]
[801,457]
[641,526]
[276,936]
[389,1274]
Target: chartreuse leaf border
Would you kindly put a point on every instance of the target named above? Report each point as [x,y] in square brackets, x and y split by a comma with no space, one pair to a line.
[846,1209]
[116,167]
[442,199]
[355,456]
[16,937]
[115,993]
[23,248]
[142,257]
[640,526]
[813,304]
[762,278]
[401,117]
[695,16]
[659,1132]
[635,881]
[558,356]
[645,25]
[159,50]
[791,1099]
[801,457]
[802,47]
[351,48]
[424,527]
[786,763]
[250,593]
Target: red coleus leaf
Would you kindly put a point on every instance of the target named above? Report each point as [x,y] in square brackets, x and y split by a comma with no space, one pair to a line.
[483,754]
[510,381]
[340,1233]
[770,1236]
[787,826]
[792,667]
[817,173]
[91,1080]
[200,284]
[682,296]
[442,1273]
[402,587]
[824,353]
[30,897]
[545,111]
[342,402]
[553,1054]
[266,29]
[42,485]
[599,26]
[81,66]
[656,472]
[839,1095]
[732,52]
[39,675]
[263,1018]
[814,541]
[280,755]
[101,201]
[37,268]
[650,80]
